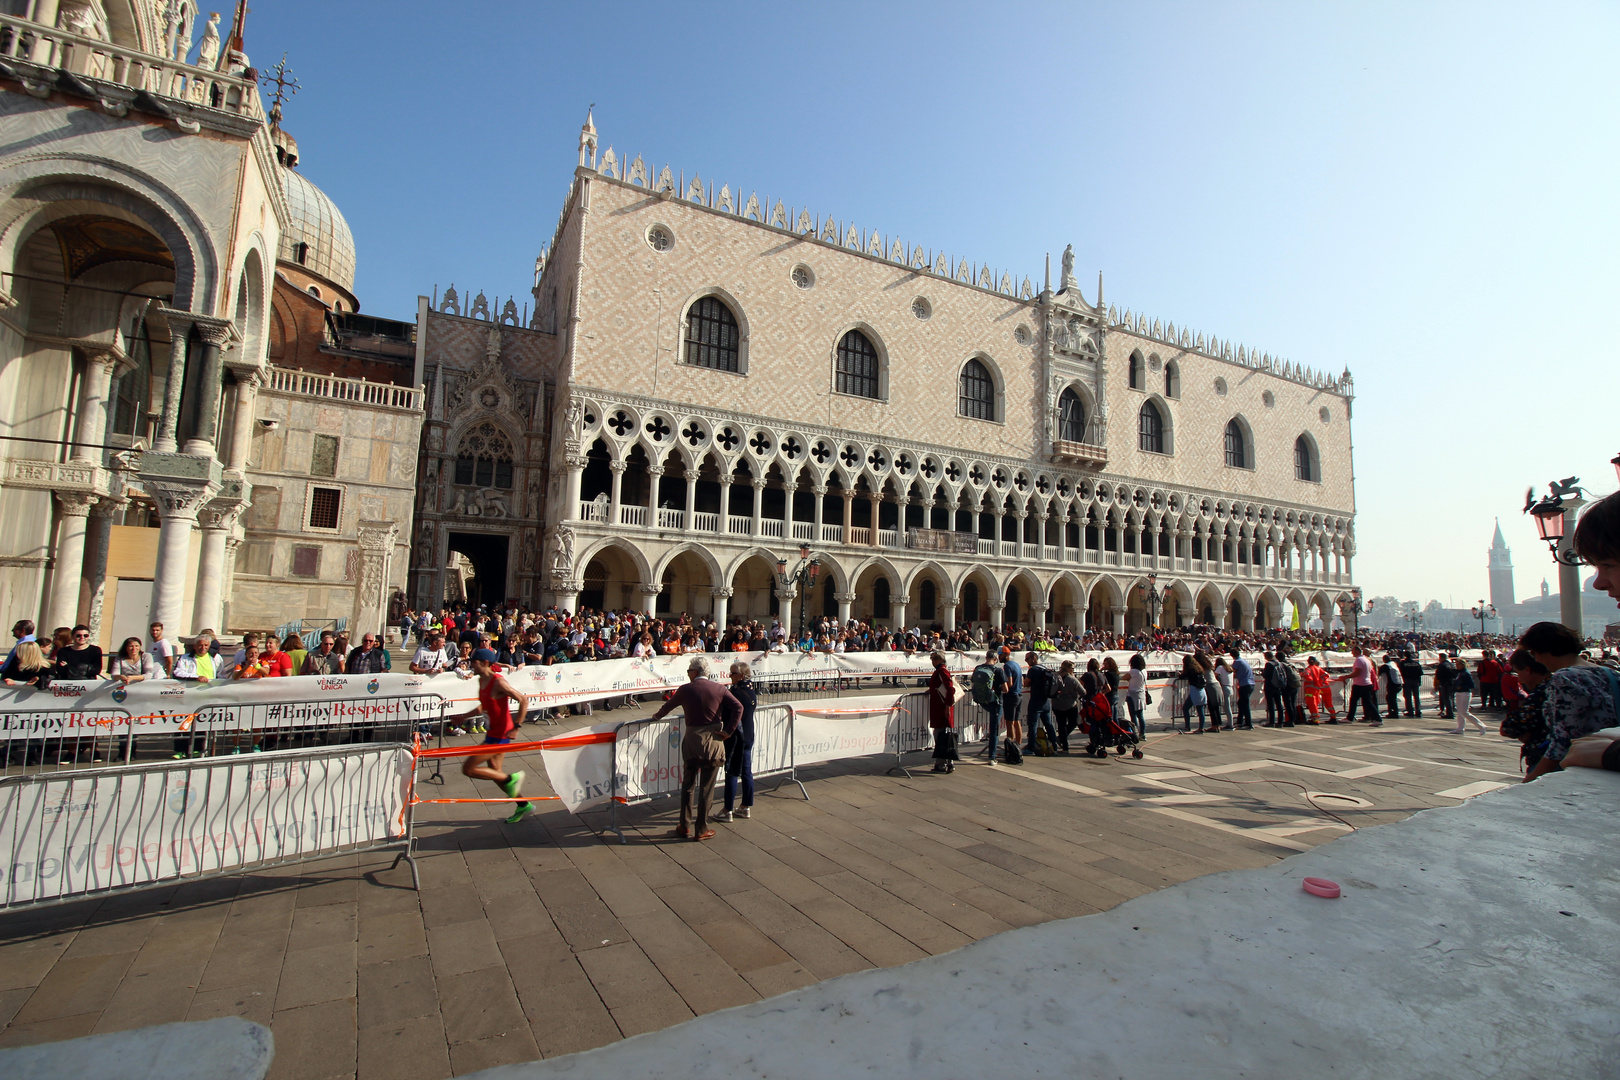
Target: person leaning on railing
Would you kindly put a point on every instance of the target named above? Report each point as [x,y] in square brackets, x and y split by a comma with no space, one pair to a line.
[325,658]
[27,667]
[132,664]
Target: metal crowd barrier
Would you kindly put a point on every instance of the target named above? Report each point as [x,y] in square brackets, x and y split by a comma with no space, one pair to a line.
[657,743]
[92,832]
[40,741]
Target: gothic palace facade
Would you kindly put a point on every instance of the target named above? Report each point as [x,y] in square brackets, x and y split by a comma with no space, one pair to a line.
[707,383]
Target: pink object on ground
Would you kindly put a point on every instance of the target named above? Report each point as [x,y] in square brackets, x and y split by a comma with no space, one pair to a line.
[1322,887]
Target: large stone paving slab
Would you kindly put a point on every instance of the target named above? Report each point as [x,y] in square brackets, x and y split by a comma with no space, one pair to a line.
[547,938]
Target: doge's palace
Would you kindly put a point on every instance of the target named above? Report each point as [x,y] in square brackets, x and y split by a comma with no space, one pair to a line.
[731,379]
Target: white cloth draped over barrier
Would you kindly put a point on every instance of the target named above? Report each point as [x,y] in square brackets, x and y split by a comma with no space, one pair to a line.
[87,708]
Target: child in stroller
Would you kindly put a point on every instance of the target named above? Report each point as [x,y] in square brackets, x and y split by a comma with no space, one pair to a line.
[1108,731]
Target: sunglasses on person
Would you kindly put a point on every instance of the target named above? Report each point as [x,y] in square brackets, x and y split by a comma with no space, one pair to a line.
[81,636]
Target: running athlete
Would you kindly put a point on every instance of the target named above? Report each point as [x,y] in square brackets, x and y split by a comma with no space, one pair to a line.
[493,694]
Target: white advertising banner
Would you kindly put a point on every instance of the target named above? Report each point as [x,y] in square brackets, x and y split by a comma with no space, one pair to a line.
[580,766]
[843,728]
[77,833]
[69,709]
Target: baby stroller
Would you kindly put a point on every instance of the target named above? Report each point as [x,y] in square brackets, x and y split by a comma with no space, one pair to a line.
[1107,731]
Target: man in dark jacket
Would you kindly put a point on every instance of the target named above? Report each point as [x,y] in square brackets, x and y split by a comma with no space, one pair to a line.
[1412,684]
[1039,680]
[740,747]
[368,659]
[80,660]
[1275,682]
[707,709]
[1445,684]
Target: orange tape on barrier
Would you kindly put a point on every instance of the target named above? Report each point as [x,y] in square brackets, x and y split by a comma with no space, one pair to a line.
[115,721]
[564,742]
[521,798]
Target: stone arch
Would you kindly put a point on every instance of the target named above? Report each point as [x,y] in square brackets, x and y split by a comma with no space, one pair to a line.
[616,570]
[688,576]
[703,554]
[1267,608]
[984,587]
[1088,410]
[751,577]
[1179,608]
[1239,608]
[1324,608]
[1239,424]
[1067,595]
[40,190]
[1103,598]
[998,387]
[253,302]
[1210,607]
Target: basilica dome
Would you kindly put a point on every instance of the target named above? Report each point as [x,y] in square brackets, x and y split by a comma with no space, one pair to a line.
[316,236]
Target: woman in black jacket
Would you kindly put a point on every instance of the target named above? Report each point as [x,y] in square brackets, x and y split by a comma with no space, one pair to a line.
[740,746]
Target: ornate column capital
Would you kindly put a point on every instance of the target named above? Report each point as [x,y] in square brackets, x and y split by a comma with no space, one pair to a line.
[846,597]
[1040,605]
[616,466]
[221,513]
[655,470]
[903,600]
[651,590]
[75,503]
[179,498]
[693,474]
[377,536]
[721,593]
[220,333]
[820,491]
[759,482]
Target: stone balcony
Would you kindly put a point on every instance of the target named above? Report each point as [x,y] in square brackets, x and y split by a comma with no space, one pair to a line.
[49,59]
[669,524]
[1083,454]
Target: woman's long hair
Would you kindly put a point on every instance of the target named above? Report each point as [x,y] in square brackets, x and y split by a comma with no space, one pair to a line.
[123,650]
[30,657]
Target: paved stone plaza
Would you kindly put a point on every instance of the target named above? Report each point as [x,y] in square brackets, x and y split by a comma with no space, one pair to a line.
[541,939]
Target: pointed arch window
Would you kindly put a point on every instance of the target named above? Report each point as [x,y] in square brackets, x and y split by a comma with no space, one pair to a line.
[857,365]
[1237,450]
[1138,382]
[712,338]
[484,458]
[1071,417]
[1172,380]
[1305,461]
[977,396]
[1150,428]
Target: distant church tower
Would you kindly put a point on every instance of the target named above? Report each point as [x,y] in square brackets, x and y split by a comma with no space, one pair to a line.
[1501,570]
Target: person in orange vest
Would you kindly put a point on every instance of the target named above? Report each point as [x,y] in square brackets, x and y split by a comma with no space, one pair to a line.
[1318,690]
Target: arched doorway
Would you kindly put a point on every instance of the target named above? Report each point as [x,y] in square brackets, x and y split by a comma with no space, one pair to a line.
[488,554]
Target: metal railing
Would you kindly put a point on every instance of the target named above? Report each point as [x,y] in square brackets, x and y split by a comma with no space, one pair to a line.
[54,742]
[66,836]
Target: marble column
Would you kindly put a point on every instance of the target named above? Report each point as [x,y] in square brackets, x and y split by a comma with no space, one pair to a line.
[617,469]
[1080,618]
[246,394]
[575,463]
[722,606]
[872,533]
[691,499]
[1021,517]
[950,603]
[1040,537]
[759,506]
[1038,610]
[1118,614]
[784,608]
[997,607]
[655,480]
[98,540]
[844,601]
[216,338]
[725,504]
[376,540]
[849,516]
[821,508]
[90,426]
[178,502]
[217,521]
[169,421]
[649,600]
[68,560]
[897,611]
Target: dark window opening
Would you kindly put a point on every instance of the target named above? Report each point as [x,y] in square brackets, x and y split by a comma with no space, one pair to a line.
[857,366]
[711,336]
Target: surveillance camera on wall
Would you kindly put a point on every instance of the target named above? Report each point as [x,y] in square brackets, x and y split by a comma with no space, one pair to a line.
[268,424]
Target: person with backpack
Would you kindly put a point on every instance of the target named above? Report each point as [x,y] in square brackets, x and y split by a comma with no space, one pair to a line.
[1293,694]
[1193,676]
[1066,702]
[986,686]
[1392,687]
[1039,680]
[1136,698]
[1013,681]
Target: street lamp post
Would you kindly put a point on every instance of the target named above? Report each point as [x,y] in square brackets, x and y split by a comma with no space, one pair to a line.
[1413,616]
[1153,598]
[1356,612]
[1555,522]
[1482,612]
[802,579]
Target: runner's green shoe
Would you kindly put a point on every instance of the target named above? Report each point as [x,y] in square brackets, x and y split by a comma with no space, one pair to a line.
[523,810]
[513,785]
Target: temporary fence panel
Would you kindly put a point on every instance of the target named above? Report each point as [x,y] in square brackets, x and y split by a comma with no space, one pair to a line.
[96,831]
[909,730]
[647,760]
[43,741]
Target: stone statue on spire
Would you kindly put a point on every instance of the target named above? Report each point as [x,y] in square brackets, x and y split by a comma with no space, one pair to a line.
[1067,282]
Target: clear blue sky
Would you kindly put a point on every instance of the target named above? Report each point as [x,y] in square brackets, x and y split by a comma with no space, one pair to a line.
[1425,193]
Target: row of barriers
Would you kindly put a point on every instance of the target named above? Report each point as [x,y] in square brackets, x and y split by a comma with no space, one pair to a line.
[49,742]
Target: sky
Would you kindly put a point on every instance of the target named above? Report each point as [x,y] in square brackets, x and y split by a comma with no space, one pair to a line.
[1423,193]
